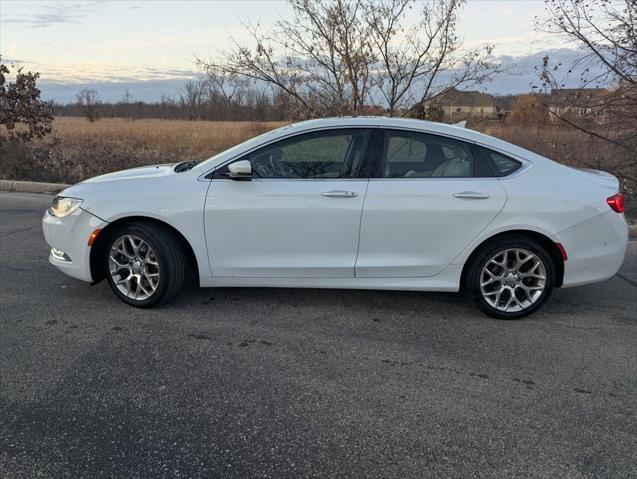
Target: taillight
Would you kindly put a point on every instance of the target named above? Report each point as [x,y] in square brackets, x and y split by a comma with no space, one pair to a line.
[616,203]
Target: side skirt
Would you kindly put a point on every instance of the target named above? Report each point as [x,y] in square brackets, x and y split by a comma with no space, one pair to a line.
[448,281]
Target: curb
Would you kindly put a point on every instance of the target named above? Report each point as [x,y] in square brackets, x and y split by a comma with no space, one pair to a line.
[53,188]
[32,187]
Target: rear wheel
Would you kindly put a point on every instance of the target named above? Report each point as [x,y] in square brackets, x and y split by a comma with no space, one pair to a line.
[511,278]
[145,264]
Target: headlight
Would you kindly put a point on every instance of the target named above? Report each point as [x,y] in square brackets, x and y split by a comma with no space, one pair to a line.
[62,207]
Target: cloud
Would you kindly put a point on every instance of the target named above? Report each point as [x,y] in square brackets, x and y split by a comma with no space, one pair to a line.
[523,72]
[52,13]
[149,82]
[148,91]
[76,73]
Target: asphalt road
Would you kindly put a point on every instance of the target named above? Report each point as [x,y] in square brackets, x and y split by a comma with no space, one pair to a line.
[299,383]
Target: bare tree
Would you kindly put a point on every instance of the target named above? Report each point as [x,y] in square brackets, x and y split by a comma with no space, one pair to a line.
[88,101]
[414,58]
[127,98]
[192,98]
[605,32]
[334,56]
[20,103]
[229,86]
[320,57]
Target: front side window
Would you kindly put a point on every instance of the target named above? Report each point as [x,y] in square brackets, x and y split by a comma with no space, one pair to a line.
[327,154]
[411,154]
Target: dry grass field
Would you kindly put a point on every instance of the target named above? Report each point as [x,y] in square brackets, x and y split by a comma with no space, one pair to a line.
[78,149]
[192,139]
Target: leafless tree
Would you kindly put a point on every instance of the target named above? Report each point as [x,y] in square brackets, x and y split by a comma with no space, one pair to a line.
[192,97]
[605,32]
[334,56]
[413,57]
[127,98]
[88,101]
[229,86]
[320,58]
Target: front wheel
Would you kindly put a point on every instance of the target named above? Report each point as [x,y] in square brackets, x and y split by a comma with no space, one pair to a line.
[145,264]
[511,278]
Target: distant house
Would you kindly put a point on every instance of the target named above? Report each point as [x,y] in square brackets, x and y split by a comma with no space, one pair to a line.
[460,105]
[577,102]
[504,105]
[371,110]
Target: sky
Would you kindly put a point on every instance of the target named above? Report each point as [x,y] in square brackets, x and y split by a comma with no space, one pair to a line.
[149,47]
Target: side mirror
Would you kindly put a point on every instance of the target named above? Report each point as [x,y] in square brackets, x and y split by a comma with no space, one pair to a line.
[240,170]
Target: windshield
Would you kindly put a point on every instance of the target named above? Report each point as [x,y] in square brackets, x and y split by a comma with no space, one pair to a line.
[241,146]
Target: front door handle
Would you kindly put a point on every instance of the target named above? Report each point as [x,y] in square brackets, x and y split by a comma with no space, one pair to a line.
[471,195]
[339,194]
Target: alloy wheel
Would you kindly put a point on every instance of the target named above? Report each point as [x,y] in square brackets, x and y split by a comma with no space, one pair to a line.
[513,280]
[134,267]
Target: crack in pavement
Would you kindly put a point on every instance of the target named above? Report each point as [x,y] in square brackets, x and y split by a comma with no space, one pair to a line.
[2,235]
[628,280]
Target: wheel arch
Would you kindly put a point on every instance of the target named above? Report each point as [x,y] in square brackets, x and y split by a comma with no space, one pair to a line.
[98,271]
[549,245]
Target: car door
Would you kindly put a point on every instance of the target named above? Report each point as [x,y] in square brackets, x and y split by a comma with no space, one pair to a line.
[432,197]
[297,216]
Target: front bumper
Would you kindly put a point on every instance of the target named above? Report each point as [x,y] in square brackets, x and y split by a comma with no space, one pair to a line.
[68,239]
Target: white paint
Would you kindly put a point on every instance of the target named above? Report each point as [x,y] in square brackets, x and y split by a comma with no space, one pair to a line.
[406,233]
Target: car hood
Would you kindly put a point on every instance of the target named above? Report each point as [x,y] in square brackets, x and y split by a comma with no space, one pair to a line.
[104,185]
[153,171]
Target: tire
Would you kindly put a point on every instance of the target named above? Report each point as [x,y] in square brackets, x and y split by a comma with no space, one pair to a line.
[514,266]
[145,265]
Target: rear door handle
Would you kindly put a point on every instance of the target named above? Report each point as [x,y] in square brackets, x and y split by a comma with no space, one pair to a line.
[339,194]
[471,195]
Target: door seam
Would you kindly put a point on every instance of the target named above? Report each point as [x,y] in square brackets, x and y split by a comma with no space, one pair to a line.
[360,226]
[205,233]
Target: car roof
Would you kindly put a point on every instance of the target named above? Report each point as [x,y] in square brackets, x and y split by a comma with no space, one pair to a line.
[433,127]
[388,122]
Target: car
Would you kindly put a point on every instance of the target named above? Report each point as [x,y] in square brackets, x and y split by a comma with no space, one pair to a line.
[360,203]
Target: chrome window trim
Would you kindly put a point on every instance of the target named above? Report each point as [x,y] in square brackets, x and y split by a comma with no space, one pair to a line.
[294,179]
[526,164]
[440,178]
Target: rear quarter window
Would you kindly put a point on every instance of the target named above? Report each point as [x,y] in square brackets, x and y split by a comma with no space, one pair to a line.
[502,164]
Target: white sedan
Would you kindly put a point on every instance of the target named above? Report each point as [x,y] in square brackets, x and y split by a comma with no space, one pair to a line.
[366,203]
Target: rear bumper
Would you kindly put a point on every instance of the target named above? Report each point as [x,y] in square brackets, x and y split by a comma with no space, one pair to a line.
[596,248]
[68,239]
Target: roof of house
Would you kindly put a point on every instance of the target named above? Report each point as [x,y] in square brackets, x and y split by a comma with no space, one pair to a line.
[453,97]
[576,96]
[505,102]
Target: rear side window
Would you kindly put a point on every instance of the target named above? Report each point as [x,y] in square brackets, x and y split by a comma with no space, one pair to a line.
[503,165]
[411,154]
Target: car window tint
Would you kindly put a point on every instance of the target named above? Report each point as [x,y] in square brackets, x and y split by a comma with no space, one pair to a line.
[419,155]
[327,154]
[503,164]
[405,149]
